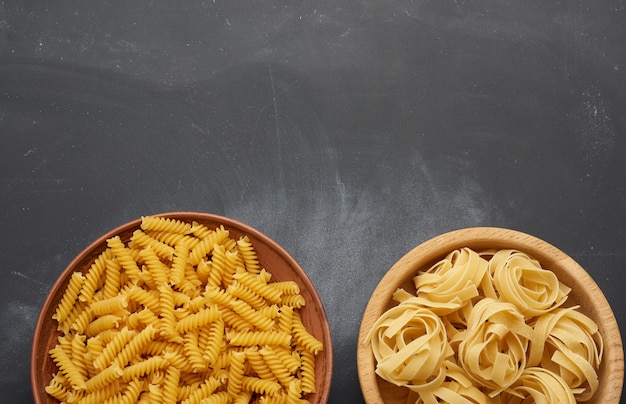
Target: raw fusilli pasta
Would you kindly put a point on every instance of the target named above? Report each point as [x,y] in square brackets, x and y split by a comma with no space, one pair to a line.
[181,313]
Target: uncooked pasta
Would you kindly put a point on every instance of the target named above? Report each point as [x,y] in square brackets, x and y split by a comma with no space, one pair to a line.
[180,314]
[487,327]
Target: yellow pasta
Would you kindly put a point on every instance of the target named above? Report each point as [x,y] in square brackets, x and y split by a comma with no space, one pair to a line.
[203,390]
[143,240]
[212,340]
[248,255]
[69,297]
[258,364]
[487,327]
[258,285]
[170,385]
[540,385]
[124,256]
[308,372]
[206,245]
[519,279]
[193,353]
[261,386]
[135,345]
[113,348]
[201,318]
[93,279]
[104,378]
[155,223]
[101,395]
[108,306]
[303,337]
[179,263]
[57,388]
[113,279]
[296,301]
[155,272]
[106,322]
[276,366]
[129,395]
[493,352]
[181,313]
[260,338]
[242,292]
[235,374]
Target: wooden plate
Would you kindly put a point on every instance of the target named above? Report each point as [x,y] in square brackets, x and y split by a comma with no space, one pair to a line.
[585,292]
[271,256]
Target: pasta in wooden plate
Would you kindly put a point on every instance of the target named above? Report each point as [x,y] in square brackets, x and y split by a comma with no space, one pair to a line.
[487,327]
[181,314]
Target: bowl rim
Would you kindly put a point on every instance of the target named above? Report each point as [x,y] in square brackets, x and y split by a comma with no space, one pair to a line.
[328,355]
[436,248]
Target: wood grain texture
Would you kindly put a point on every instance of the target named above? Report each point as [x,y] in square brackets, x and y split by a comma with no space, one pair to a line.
[585,292]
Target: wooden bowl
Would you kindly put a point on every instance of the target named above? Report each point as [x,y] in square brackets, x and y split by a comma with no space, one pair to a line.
[271,256]
[585,292]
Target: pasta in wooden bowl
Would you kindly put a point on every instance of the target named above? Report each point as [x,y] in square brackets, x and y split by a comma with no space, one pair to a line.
[182,308]
[489,315]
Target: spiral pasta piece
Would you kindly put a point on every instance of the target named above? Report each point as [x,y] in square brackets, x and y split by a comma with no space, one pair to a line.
[295,301]
[57,389]
[93,279]
[252,338]
[235,374]
[143,240]
[172,239]
[244,293]
[303,336]
[258,286]
[214,340]
[101,395]
[170,385]
[109,306]
[248,255]
[276,365]
[124,256]
[261,386]
[69,297]
[113,348]
[201,318]
[129,396]
[193,352]
[179,263]
[251,315]
[143,368]
[156,223]
[104,378]
[206,245]
[135,345]
[106,322]
[168,317]
[113,279]
[204,390]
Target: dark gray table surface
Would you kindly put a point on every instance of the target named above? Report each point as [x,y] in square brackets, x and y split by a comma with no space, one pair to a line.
[347,131]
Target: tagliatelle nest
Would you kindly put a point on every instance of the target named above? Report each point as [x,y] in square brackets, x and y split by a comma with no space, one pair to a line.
[487,327]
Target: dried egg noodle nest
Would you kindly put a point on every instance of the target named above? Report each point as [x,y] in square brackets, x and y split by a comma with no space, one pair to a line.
[487,327]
